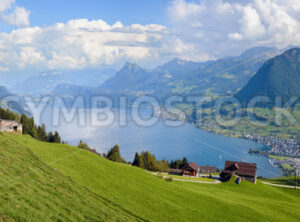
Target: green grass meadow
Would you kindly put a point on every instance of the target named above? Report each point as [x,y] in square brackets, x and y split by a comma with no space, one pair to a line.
[55,182]
[285,181]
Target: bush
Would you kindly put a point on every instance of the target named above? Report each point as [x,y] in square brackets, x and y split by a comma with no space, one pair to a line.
[168,179]
[160,176]
[83,145]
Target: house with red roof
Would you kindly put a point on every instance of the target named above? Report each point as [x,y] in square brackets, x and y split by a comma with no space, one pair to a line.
[246,171]
[194,170]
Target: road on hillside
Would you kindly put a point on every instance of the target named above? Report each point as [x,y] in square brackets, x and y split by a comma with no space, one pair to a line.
[280,185]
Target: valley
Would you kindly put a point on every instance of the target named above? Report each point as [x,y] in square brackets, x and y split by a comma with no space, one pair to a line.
[175,110]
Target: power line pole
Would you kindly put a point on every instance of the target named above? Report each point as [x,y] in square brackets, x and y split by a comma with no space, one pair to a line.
[295,169]
[295,177]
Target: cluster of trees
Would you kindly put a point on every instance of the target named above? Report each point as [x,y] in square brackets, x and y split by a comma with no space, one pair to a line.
[178,164]
[144,160]
[29,127]
[83,145]
[9,115]
[38,132]
[147,161]
[114,155]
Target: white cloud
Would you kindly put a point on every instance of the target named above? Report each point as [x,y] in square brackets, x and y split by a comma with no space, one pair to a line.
[251,25]
[29,55]
[232,25]
[80,43]
[5,4]
[4,69]
[235,36]
[13,14]
[19,17]
[199,30]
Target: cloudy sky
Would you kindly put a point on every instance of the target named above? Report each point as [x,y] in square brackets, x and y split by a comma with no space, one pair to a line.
[39,35]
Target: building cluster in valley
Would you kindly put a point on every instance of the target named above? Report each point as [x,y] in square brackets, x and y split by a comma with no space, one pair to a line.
[277,146]
[287,161]
[244,171]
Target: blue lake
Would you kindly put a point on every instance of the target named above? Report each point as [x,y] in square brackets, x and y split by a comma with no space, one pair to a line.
[164,141]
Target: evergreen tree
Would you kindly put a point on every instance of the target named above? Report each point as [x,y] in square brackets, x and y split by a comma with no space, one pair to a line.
[136,161]
[164,166]
[171,164]
[7,114]
[178,164]
[114,155]
[141,160]
[41,133]
[50,138]
[56,137]
[83,145]
[32,131]
[148,161]
[25,124]
[183,163]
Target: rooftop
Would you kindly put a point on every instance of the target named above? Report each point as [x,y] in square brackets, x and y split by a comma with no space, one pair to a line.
[243,168]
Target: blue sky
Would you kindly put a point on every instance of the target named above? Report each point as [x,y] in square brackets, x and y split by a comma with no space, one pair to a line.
[38,35]
[44,12]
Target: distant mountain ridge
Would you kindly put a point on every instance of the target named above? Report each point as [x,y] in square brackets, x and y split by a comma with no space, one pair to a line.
[47,81]
[7,103]
[221,77]
[279,76]
[4,92]
[180,77]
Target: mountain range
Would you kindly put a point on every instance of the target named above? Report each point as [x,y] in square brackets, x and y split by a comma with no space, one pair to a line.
[179,77]
[18,106]
[46,82]
[257,71]
[279,76]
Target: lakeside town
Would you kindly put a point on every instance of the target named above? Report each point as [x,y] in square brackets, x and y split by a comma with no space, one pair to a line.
[282,153]
[277,146]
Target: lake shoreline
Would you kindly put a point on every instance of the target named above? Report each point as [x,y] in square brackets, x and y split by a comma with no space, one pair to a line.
[162,139]
[167,115]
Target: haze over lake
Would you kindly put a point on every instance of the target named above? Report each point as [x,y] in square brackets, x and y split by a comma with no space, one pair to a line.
[164,141]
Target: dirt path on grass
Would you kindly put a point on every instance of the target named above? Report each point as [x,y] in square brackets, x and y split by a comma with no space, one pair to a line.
[280,185]
[191,181]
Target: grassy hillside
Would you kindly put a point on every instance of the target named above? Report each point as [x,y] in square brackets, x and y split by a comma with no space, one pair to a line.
[88,186]
[285,181]
[31,190]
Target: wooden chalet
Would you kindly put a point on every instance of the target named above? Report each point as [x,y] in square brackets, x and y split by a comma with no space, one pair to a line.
[208,170]
[10,126]
[247,171]
[175,171]
[191,170]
